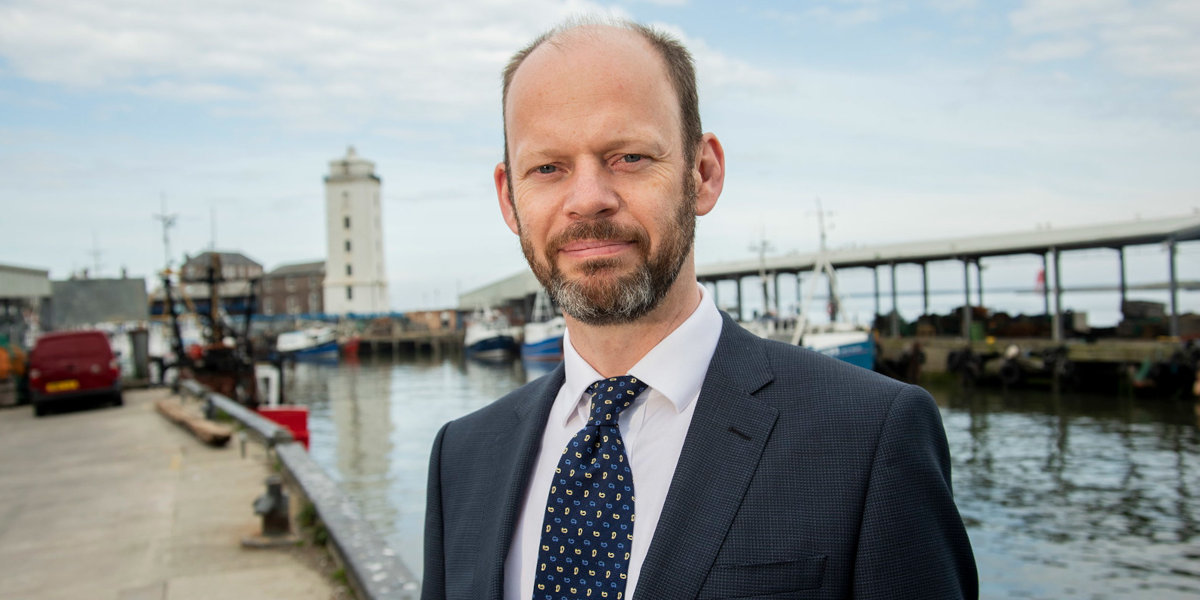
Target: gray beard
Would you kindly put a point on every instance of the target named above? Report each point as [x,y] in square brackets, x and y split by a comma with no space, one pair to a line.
[631,296]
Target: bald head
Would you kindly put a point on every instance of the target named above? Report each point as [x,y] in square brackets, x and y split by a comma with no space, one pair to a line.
[675,61]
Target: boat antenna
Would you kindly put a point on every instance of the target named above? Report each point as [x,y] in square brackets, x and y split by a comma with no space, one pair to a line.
[821,214]
[96,254]
[762,247]
[168,221]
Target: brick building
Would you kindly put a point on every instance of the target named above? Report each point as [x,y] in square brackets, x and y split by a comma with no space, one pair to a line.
[233,271]
[294,289]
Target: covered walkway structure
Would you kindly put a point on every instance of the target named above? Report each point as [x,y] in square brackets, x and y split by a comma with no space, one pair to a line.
[1049,244]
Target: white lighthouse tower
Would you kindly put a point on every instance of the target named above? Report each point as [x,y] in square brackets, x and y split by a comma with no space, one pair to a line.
[355,280]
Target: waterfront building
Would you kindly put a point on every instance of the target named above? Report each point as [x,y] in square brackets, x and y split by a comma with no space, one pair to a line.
[86,303]
[24,295]
[233,272]
[355,280]
[294,289]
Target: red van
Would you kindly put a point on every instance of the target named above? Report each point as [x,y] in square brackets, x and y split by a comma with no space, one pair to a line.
[70,365]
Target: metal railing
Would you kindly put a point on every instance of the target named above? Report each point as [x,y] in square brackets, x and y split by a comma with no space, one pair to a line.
[372,567]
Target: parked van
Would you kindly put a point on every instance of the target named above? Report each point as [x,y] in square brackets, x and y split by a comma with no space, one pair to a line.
[72,365]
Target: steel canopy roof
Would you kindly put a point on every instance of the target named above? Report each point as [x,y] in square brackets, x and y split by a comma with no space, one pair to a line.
[1040,241]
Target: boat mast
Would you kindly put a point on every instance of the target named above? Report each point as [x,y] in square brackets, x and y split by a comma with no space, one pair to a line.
[821,264]
[762,248]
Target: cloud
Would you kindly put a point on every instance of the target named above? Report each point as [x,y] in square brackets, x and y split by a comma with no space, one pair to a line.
[853,12]
[719,72]
[314,65]
[1052,50]
[292,60]
[953,6]
[1158,40]
[1051,16]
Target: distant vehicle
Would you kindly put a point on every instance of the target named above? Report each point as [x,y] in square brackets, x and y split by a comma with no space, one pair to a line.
[72,365]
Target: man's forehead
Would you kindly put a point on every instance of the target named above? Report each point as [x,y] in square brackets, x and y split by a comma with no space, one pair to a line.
[582,47]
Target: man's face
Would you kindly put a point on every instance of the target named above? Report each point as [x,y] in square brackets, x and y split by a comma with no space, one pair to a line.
[600,194]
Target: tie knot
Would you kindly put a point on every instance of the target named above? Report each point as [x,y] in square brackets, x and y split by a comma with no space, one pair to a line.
[611,396]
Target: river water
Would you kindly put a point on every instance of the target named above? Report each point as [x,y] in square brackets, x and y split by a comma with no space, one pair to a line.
[1064,495]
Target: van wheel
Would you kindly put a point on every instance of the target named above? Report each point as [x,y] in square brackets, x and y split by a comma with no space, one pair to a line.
[39,409]
[118,399]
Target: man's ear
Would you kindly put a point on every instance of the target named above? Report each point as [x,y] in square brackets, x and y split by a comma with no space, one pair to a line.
[709,173]
[506,202]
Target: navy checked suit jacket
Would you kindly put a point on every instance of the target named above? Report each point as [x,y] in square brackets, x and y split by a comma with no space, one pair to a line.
[800,477]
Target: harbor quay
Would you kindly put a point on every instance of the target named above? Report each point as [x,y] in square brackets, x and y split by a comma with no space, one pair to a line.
[120,503]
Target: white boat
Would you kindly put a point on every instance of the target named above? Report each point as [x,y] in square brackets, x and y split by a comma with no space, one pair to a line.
[544,332]
[308,343]
[845,341]
[489,335]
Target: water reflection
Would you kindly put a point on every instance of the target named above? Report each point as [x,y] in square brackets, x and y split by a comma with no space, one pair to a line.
[1071,496]
[372,423]
[1065,496]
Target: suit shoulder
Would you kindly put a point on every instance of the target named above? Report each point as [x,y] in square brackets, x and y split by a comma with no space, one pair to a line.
[796,367]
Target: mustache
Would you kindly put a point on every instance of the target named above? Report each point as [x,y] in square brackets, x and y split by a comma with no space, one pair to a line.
[599,229]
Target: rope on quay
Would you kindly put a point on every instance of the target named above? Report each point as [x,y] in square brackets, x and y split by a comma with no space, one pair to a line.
[372,567]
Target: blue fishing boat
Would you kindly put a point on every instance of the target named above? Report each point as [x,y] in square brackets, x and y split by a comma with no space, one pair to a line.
[489,336]
[543,338]
[312,343]
[843,341]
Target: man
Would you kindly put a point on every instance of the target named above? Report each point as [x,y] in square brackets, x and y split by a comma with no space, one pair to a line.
[730,466]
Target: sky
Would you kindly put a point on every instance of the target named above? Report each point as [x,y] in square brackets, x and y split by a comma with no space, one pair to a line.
[909,120]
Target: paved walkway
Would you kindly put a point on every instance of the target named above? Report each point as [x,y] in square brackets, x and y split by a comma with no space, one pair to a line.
[118,503]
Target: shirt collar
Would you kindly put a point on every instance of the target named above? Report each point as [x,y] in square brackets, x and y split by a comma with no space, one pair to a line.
[674,368]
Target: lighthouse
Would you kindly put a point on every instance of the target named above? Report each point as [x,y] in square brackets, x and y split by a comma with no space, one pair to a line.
[355,277]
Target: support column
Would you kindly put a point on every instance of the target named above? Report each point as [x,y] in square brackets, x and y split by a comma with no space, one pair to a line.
[778,313]
[716,287]
[924,288]
[1057,322]
[1121,277]
[1173,285]
[799,294]
[875,277]
[895,319]
[979,278]
[833,299]
[766,295]
[966,310]
[1045,286]
[738,280]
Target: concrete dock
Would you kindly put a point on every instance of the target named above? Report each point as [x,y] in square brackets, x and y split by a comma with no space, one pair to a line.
[118,503]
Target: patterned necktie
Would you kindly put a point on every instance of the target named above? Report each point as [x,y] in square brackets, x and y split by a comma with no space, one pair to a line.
[588,528]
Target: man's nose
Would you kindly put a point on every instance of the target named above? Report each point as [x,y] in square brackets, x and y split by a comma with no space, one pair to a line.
[591,194]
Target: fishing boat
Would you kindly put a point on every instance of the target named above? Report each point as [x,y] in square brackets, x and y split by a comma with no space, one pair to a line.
[315,343]
[489,335]
[544,332]
[845,341]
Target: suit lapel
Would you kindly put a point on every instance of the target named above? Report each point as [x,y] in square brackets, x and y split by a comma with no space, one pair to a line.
[516,442]
[720,454]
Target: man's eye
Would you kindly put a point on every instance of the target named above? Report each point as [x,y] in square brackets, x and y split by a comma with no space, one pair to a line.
[547,169]
[631,158]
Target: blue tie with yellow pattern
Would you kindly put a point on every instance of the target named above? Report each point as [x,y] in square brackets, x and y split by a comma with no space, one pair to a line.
[587,531]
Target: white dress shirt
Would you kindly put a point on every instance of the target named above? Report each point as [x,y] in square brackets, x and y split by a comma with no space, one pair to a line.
[653,429]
